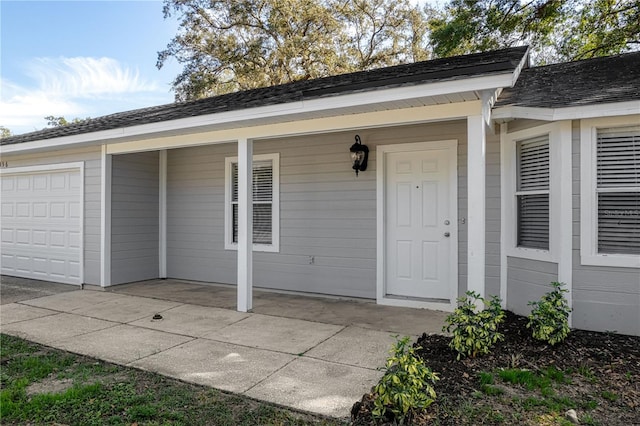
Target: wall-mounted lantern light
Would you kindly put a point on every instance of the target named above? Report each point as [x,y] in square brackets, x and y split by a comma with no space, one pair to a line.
[359,155]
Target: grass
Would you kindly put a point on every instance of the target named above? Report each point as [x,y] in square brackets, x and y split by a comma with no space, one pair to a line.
[532,391]
[99,393]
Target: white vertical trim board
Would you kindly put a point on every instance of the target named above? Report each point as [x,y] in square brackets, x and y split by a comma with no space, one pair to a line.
[162,214]
[245,225]
[381,243]
[505,205]
[46,168]
[105,218]
[588,198]
[476,203]
[562,204]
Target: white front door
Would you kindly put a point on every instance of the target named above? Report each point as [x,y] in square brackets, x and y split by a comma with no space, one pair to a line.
[420,228]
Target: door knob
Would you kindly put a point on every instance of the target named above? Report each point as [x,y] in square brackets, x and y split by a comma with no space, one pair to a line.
[446,234]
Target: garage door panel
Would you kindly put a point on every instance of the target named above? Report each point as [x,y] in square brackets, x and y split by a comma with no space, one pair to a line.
[39,238]
[7,210]
[39,182]
[8,184]
[23,209]
[41,229]
[7,236]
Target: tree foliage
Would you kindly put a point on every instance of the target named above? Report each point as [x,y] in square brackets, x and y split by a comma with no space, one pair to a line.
[556,30]
[5,132]
[603,27]
[225,46]
[53,121]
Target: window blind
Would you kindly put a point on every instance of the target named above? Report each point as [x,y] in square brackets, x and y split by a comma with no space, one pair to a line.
[618,190]
[262,201]
[532,192]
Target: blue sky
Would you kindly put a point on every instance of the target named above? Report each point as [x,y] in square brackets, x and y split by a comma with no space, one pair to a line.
[81,59]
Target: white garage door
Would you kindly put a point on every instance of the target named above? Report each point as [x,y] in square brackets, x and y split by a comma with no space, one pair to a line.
[42,224]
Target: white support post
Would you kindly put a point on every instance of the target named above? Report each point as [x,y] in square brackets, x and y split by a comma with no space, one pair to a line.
[476,194]
[105,219]
[245,225]
[505,203]
[162,215]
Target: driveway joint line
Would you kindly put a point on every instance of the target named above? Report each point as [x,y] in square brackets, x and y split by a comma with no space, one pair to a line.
[161,351]
[324,340]
[268,376]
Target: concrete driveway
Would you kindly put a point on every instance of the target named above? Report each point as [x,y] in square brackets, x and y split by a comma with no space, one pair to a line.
[309,365]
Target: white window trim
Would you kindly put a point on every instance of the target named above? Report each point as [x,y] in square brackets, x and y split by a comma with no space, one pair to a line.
[588,202]
[559,140]
[274,247]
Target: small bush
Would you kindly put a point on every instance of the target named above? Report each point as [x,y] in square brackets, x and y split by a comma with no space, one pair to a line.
[474,333]
[549,319]
[406,385]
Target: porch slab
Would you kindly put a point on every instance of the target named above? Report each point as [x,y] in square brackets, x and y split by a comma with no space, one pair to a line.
[221,365]
[192,320]
[73,301]
[317,386]
[126,309]
[52,329]
[16,312]
[122,344]
[182,291]
[360,347]
[274,333]
[338,311]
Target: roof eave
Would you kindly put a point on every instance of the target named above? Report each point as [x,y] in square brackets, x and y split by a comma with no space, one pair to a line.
[511,112]
[320,105]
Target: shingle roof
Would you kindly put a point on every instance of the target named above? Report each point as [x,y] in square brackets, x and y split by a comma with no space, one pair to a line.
[445,69]
[586,82]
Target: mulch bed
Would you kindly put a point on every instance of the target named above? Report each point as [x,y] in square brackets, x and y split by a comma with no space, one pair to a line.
[595,362]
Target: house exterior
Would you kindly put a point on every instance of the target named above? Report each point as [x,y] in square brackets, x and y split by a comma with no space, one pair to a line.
[483,174]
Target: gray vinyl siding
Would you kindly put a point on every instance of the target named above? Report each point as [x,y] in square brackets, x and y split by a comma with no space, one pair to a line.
[134,217]
[604,298]
[528,280]
[326,212]
[195,215]
[92,174]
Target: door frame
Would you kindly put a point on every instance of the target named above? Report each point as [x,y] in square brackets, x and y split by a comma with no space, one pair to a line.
[52,168]
[382,298]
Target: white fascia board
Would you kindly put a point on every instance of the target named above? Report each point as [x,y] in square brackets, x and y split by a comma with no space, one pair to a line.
[369,97]
[569,113]
[431,113]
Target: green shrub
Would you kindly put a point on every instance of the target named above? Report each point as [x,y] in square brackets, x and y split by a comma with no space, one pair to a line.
[549,319]
[406,385]
[474,333]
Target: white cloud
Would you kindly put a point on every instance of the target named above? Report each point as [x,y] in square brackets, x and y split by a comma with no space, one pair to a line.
[86,77]
[70,87]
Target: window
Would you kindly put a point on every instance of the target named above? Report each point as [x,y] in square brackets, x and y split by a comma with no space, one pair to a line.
[610,191]
[532,193]
[265,202]
[618,190]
